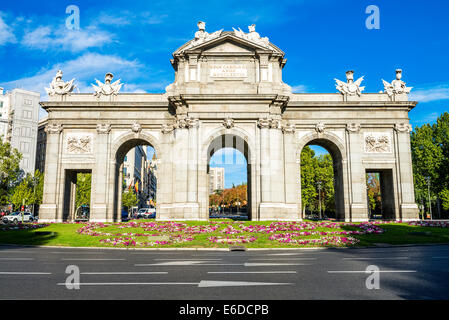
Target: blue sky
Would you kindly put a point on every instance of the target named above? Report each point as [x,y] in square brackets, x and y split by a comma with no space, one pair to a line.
[321,38]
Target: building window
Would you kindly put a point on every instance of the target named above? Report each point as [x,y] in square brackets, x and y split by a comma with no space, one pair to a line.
[27,102]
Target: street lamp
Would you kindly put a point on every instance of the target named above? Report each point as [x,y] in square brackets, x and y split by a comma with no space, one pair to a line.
[319,196]
[428,192]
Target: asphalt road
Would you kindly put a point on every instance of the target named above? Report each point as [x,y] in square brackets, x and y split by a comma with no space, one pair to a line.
[420,272]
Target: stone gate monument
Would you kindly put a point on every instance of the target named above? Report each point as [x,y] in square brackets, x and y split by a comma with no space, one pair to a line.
[228,92]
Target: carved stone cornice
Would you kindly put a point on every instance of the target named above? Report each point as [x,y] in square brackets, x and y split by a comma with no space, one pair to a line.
[179,104]
[278,104]
[103,128]
[403,127]
[353,127]
[53,128]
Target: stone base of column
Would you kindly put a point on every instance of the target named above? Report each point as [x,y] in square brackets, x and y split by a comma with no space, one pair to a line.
[359,213]
[279,212]
[48,213]
[409,212]
[98,213]
[179,211]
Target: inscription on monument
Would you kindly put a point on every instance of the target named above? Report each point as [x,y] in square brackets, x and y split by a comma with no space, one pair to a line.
[228,71]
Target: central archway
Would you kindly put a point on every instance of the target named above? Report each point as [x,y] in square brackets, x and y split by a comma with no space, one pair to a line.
[144,180]
[232,141]
[336,151]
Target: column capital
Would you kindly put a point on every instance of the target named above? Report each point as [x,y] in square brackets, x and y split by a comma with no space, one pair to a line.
[53,128]
[103,128]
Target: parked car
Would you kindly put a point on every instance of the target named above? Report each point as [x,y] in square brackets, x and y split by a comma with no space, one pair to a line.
[16,217]
[146,213]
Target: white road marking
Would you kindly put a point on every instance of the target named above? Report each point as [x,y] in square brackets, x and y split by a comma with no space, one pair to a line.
[201,284]
[81,259]
[440,257]
[262,264]
[25,273]
[18,259]
[255,272]
[130,283]
[383,271]
[67,252]
[128,273]
[278,259]
[172,259]
[186,263]
[213,284]
[374,258]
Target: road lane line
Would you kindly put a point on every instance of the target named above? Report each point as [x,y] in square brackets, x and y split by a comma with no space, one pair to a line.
[127,273]
[81,259]
[130,283]
[173,259]
[373,258]
[25,273]
[383,271]
[18,259]
[255,272]
[282,259]
[262,264]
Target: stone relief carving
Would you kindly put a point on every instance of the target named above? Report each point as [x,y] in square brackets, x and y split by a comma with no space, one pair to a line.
[377,142]
[264,123]
[350,87]
[288,128]
[252,36]
[108,87]
[353,127]
[192,123]
[59,87]
[79,144]
[397,86]
[179,123]
[103,128]
[276,124]
[403,127]
[136,127]
[320,127]
[167,128]
[228,123]
[202,36]
[53,128]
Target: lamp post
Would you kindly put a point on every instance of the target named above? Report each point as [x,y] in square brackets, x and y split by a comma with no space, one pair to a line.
[319,196]
[428,192]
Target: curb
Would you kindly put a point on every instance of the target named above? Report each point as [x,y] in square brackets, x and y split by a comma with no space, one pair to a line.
[227,249]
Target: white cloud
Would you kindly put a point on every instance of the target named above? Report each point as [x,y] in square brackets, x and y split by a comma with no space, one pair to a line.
[440,92]
[299,89]
[84,68]
[60,38]
[6,33]
[125,18]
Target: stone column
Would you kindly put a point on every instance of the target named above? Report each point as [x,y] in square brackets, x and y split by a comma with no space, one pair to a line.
[52,179]
[98,206]
[165,179]
[408,207]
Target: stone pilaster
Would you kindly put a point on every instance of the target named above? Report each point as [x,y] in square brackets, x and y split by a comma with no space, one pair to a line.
[48,210]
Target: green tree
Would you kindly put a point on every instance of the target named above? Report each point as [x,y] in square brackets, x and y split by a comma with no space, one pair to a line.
[83,189]
[129,199]
[23,194]
[10,172]
[444,196]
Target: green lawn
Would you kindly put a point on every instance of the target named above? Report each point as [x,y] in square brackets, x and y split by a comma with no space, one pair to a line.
[197,234]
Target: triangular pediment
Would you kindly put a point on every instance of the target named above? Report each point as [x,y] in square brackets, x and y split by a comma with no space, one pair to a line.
[227,42]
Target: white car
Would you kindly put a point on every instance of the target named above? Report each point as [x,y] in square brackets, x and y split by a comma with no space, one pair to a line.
[16,217]
[147,213]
